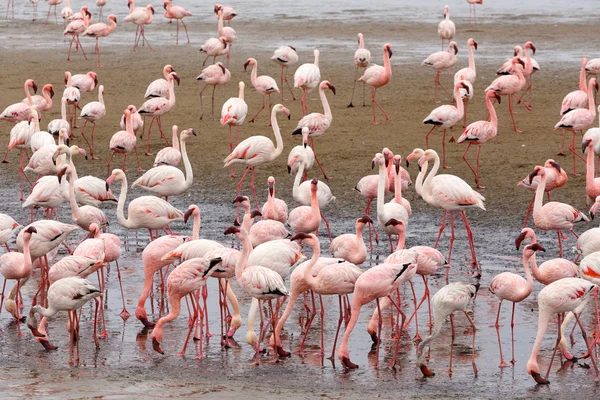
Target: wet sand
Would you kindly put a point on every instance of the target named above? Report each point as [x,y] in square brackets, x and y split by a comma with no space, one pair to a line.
[125,365]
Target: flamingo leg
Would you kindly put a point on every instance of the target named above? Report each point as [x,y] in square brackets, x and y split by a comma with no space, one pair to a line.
[465,102]
[177,35]
[252,187]
[262,108]
[475,371]
[201,104]
[191,325]
[379,324]
[529,210]
[427,136]
[322,318]
[575,154]
[337,331]
[97,51]
[502,362]
[353,88]
[451,236]
[135,41]
[587,344]
[444,150]
[287,83]
[212,112]
[239,188]
[82,133]
[559,234]
[160,129]
[417,337]
[450,372]
[312,144]
[470,236]
[512,116]
[512,333]
[313,313]
[148,136]
[442,226]
[186,31]
[80,46]
[375,103]
[144,39]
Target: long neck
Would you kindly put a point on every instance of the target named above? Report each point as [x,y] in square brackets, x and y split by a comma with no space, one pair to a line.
[582,83]
[242,262]
[543,319]
[426,190]
[401,240]
[460,105]
[539,195]
[241,92]
[27,255]
[386,63]
[296,189]
[271,202]
[220,26]
[398,188]
[44,312]
[308,276]
[381,189]
[278,139]
[129,125]
[314,204]
[196,226]
[72,201]
[254,73]
[69,80]
[101,96]
[529,288]
[189,173]
[519,72]
[590,170]
[471,59]
[48,99]
[528,64]
[533,264]
[175,140]
[175,301]
[172,92]
[121,205]
[69,155]
[63,110]
[359,236]
[36,123]
[316,59]
[361,42]
[591,100]
[492,111]
[29,99]
[438,321]
[420,177]
[326,107]
[112,26]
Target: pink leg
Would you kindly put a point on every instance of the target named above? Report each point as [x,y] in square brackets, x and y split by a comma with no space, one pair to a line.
[186,31]
[559,234]
[263,106]
[387,117]
[512,116]
[254,190]
[427,136]
[450,372]
[441,230]
[575,154]
[312,144]
[475,371]
[201,104]
[444,150]
[287,83]
[528,211]
[502,362]
[470,236]
[162,133]
[148,137]
[451,236]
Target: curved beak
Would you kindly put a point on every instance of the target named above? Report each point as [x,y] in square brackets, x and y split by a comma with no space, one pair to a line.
[520,239]
[331,87]
[187,215]
[222,68]
[536,247]
[176,77]
[389,50]
[238,199]
[475,45]
[271,189]
[556,165]
[299,236]
[397,165]
[246,65]
[34,86]
[366,220]
[255,214]
[212,263]
[498,97]
[231,230]
[532,49]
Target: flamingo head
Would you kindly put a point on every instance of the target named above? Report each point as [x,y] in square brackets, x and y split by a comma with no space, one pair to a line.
[116,174]
[188,133]
[595,207]
[446,11]
[463,85]
[168,69]
[174,76]
[250,61]
[30,230]
[94,77]
[529,45]
[314,185]
[63,171]
[536,171]
[327,85]
[271,183]
[397,225]
[472,42]
[388,47]
[454,46]
[217,8]
[397,161]
[224,41]
[379,159]
[281,108]
[416,153]
[585,144]
[255,213]
[594,83]
[526,233]
[166,4]
[530,250]
[149,7]
[292,47]
[112,17]
[365,220]
[310,239]
[360,38]
[208,266]
[192,210]
[517,51]
[30,83]
[495,95]
[48,88]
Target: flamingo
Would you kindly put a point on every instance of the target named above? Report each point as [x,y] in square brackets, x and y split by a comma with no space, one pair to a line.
[550,270]
[17,266]
[553,215]
[73,95]
[92,112]
[85,82]
[512,287]
[446,28]
[510,85]
[20,137]
[351,247]
[528,71]
[307,77]
[468,74]
[101,30]
[588,242]
[177,13]
[479,133]
[578,120]
[380,281]
[577,98]
[214,47]
[186,279]
[564,295]
[258,150]
[362,59]
[446,116]
[86,215]
[377,76]
[141,17]
[136,119]
[439,61]
[152,260]
[68,266]
[398,199]
[156,107]
[274,208]
[453,195]
[43,102]
[68,294]
[258,282]
[387,211]
[265,85]
[20,111]
[166,180]
[280,255]
[472,9]
[160,87]
[7,228]
[457,296]
[263,231]
[305,219]
[100,4]
[43,163]
[56,125]
[301,154]
[226,32]
[592,184]
[234,113]
[48,193]
[143,212]
[66,12]
[317,123]
[77,27]
[213,75]
[228,12]
[123,142]
[170,155]
[285,56]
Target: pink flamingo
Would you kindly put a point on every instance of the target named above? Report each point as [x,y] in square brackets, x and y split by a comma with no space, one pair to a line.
[20,111]
[214,47]
[67,294]
[589,269]
[92,112]
[101,30]
[479,133]
[468,74]
[301,155]
[228,12]
[100,4]
[592,184]
[317,123]
[77,27]
[512,287]
[136,120]
[85,82]
[186,279]
[453,195]
[166,180]
[377,76]
[550,270]
[446,116]
[578,120]
[553,215]
[160,87]
[56,125]
[123,142]
[66,12]
[380,281]
[285,56]
[305,219]
[307,77]
[454,297]
[446,28]
[258,282]
[472,9]
[588,242]
[43,102]
[7,228]
[258,150]
[143,212]
[156,107]
[81,266]
[275,209]
[141,17]
[83,216]
[72,94]
[226,32]
[577,98]
[152,260]
[177,13]
[17,266]
[555,177]
[593,66]
[265,85]
[234,113]
[213,75]
[351,246]
[510,85]
[367,187]
[564,295]
[439,61]
[528,71]
[398,199]
[170,155]
[362,59]
[265,230]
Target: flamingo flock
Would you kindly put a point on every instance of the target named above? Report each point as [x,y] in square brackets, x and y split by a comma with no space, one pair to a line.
[268,269]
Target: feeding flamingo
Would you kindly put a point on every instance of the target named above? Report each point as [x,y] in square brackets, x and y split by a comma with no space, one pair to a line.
[307,77]
[7,228]
[285,56]
[362,59]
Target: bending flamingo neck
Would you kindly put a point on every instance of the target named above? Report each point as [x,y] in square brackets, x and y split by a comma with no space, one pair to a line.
[529,288]
[72,201]
[539,195]
[101,96]
[426,190]
[308,276]
[381,190]
[172,93]
[492,111]
[361,42]
[533,264]
[296,189]
[314,205]
[27,264]
[401,240]
[121,204]
[460,105]
[326,107]
[590,170]
[175,140]
[253,74]
[398,188]
[386,63]
[63,110]
[591,100]
[278,139]
[543,318]
[175,301]
[582,83]
[420,177]
[29,99]
[196,226]
[189,172]
[242,263]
